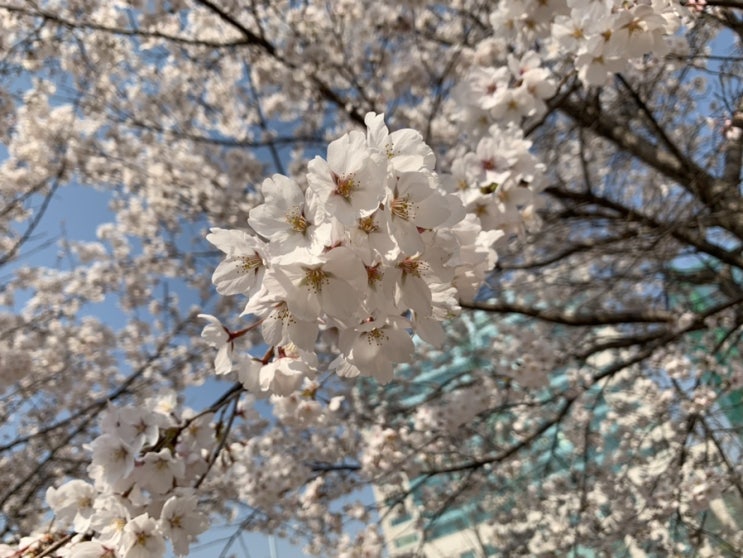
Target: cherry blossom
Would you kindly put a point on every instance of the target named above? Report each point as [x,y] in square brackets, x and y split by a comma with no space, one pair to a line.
[218,336]
[243,268]
[181,522]
[347,184]
[142,539]
[326,284]
[286,218]
[374,347]
[73,503]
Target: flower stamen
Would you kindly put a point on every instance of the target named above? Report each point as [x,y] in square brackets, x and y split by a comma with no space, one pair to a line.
[402,208]
[368,225]
[249,263]
[376,336]
[315,279]
[411,266]
[297,221]
[344,186]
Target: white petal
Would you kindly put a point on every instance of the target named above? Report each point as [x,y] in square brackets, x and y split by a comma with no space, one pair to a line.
[222,362]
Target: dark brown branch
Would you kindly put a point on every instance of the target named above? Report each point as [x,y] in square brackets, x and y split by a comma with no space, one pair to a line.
[577,248]
[593,318]
[678,230]
[525,443]
[250,37]
[725,4]
[654,124]
[10,254]
[722,201]
[321,86]
[681,171]
[56,18]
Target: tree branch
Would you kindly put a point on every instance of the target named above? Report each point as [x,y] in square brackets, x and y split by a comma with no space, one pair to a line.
[593,318]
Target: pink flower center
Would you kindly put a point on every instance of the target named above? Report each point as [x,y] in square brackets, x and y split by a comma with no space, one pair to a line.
[373,274]
[411,266]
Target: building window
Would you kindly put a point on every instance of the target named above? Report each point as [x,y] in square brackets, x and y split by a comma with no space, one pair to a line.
[468,554]
[405,540]
[446,527]
[400,517]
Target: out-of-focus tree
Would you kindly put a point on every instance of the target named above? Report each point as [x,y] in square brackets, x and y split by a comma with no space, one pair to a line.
[564,174]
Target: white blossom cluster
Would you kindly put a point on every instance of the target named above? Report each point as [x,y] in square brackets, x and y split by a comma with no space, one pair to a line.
[144,467]
[374,247]
[508,86]
[497,177]
[506,93]
[601,37]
